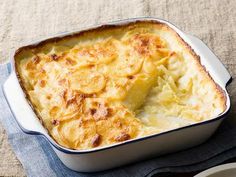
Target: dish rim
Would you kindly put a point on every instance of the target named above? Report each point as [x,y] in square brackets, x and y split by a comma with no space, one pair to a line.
[113,23]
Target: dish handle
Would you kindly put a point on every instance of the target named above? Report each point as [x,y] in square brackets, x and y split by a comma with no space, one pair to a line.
[23,113]
[211,61]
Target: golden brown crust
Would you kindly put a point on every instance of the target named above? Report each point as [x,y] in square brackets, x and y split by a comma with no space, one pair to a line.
[111,123]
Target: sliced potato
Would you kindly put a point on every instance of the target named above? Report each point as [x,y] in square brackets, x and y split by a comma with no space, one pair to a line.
[116,88]
[77,131]
[138,91]
[100,53]
[149,67]
[128,66]
[87,81]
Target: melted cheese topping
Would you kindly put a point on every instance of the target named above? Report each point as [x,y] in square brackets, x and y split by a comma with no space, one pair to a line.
[113,88]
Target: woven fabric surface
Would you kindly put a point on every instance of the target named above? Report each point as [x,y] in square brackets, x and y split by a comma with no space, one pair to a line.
[24,21]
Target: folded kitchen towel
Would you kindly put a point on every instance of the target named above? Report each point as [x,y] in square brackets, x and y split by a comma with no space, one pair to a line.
[38,158]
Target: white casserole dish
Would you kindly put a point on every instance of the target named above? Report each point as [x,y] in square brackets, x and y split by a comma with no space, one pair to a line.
[98,159]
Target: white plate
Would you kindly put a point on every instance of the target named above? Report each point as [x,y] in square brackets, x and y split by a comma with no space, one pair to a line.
[226,170]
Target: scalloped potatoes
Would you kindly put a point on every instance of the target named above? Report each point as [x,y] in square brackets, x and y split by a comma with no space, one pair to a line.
[114,84]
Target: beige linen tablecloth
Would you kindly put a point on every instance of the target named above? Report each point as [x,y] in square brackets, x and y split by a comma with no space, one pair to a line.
[213,21]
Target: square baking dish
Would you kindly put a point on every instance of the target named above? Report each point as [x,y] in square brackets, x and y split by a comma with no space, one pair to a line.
[107,157]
